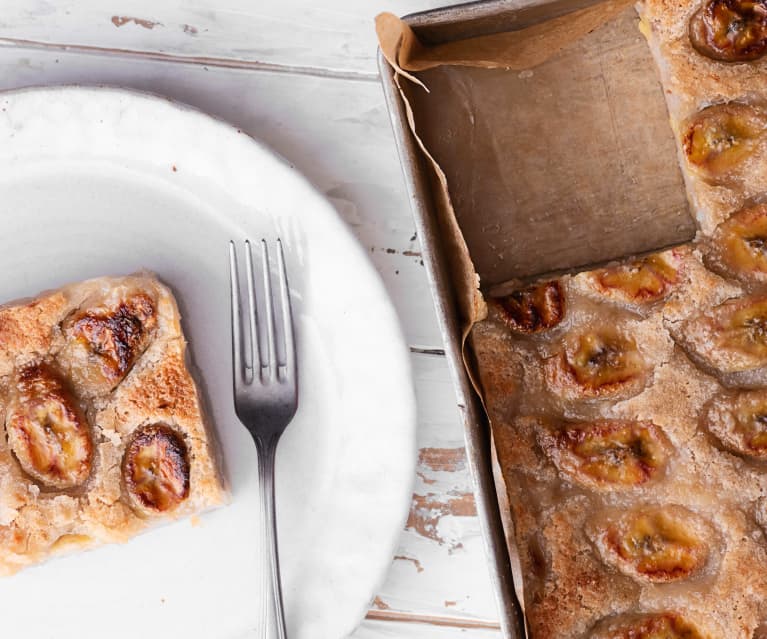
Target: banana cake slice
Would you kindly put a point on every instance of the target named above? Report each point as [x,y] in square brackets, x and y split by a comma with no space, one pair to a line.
[104,430]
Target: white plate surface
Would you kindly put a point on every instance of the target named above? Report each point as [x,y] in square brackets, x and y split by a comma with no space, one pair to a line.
[99,181]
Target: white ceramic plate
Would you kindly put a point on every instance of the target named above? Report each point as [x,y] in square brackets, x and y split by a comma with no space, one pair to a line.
[98,181]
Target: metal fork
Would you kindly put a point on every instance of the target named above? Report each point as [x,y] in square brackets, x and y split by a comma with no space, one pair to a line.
[265,395]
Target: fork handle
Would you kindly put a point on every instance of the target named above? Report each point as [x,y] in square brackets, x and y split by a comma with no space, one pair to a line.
[272,587]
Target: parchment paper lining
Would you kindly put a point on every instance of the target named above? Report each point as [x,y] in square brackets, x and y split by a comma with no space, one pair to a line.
[517,50]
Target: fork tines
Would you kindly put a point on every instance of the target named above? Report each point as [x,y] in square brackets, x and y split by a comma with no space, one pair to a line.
[264,352]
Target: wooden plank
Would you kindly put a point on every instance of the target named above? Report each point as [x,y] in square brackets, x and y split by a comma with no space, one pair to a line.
[336,132]
[335,36]
[440,568]
[432,620]
[376,629]
[379,629]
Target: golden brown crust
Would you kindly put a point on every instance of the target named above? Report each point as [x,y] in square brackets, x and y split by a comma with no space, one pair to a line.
[630,507]
[29,324]
[104,357]
[570,588]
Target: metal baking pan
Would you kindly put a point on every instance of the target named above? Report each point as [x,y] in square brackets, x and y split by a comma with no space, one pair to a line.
[660,217]
[474,18]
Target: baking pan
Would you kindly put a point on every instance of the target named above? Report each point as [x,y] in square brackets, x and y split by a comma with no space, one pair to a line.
[457,21]
[639,206]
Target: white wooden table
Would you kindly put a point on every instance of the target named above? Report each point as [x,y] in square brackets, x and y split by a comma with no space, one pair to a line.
[301,75]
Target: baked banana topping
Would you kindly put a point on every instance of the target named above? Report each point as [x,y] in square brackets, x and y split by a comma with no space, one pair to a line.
[596,363]
[105,340]
[738,246]
[718,139]
[606,454]
[730,30]
[533,309]
[47,430]
[645,280]
[656,543]
[730,339]
[156,469]
[739,422]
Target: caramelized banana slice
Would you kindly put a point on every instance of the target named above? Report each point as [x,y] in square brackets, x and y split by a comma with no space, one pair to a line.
[156,469]
[657,544]
[607,454]
[720,137]
[660,625]
[730,30]
[730,340]
[598,363]
[644,280]
[47,430]
[533,309]
[739,422]
[105,341]
[739,245]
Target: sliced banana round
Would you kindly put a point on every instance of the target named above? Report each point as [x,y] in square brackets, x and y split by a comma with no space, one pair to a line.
[659,544]
[641,281]
[606,454]
[47,430]
[595,364]
[533,309]
[155,469]
[738,246]
[739,422]
[659,625]
[729,340]
[718,139]
[730,30]
[104,341]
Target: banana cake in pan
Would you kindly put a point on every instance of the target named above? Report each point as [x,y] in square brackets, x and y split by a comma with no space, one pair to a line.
[629,403]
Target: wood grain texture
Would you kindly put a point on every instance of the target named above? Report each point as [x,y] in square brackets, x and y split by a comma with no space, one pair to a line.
[378,629]
[337,133]
[335,36]
[440,567]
